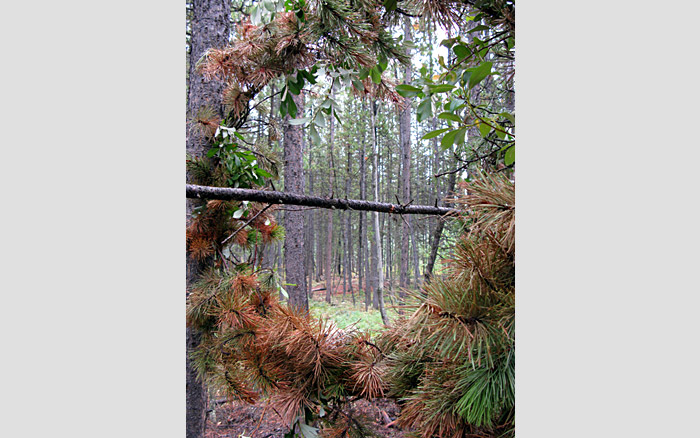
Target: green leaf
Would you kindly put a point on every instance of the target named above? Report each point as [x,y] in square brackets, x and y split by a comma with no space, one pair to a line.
[484,129]
[433,134]
[510,156]
[441,88]
[447,42]
[358,85]
[406,90]
[315,138]
[454,104]
[376,75]
[424,110]
[459,138]
[211,152]
[291,106]
[478,28]
[461,51]
[308,431]
[390,5]
[319,120]
[449,139]
[238,213]
[449,116]
[308,76]
[479,73]
[508,116]
[263,172]
[301,121]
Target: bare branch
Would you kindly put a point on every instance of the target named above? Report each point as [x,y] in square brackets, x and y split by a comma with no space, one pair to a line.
[273,197]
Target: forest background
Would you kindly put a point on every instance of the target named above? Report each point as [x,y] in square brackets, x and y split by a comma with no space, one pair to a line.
[604,265]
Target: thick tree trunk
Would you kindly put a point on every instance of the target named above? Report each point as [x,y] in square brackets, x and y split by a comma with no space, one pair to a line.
[295,273]
[209,28]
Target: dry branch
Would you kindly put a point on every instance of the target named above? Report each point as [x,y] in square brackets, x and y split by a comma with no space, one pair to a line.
[273,197]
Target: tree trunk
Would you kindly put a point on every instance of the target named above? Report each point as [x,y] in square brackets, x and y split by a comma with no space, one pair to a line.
[295,274]
[329,228]
[438,230]
[209,28]
[405,136]
[377,233]
[348,231]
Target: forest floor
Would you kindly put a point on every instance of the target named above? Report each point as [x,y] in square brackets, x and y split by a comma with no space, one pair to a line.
[236,420]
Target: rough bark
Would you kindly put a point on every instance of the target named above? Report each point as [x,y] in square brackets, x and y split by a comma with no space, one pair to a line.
[209,28]
[348,232]
[377,233]
[437,233]
[295,273]
[405,136]
[329,218]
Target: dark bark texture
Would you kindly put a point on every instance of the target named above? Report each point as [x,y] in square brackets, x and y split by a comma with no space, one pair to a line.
[295,272]
[210,28]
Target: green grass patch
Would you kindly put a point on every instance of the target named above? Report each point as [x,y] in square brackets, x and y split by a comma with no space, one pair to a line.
[345,314]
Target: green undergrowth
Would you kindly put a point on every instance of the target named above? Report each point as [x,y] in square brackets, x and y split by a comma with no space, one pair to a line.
[345,314]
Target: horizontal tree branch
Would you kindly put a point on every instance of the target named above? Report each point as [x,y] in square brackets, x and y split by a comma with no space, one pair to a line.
[273,197]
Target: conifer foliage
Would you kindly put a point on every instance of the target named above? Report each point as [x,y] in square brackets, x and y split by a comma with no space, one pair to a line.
[452,362]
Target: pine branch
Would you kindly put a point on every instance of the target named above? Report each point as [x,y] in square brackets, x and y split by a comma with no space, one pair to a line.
[273,197]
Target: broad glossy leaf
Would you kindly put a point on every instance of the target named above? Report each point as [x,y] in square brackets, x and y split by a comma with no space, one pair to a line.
[358,85]
[479,73]
[510,156]
[406,90]
[315,138]
[301,121]
[449,116]
[454,104]
[441,88]
[459,137]
[319,120]
[424,110]
[508,116]
[484,129]
[461,51]
[376,75]
[433,134]
[449,139]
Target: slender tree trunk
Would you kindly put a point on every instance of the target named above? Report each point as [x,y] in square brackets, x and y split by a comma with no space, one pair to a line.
[377,233]
[405,136]
[329,236]
[309,241]
[209,28]
[295,274]
[362,244]
[438,230]
[348,240]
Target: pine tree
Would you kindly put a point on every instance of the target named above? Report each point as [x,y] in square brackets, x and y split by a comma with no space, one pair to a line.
[452,361]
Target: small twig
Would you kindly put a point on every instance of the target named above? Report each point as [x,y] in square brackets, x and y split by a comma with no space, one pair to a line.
[246,224]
